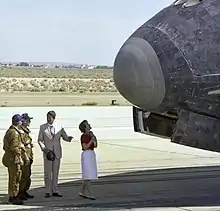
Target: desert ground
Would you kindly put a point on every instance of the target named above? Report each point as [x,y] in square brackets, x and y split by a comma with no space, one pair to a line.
[58,87]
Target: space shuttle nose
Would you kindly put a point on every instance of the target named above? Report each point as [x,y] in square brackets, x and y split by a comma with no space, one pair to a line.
[138,75]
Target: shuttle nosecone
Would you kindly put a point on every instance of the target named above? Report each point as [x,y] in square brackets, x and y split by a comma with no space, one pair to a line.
[138,75]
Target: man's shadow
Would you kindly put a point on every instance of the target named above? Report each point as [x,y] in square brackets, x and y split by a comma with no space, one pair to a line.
[176,187]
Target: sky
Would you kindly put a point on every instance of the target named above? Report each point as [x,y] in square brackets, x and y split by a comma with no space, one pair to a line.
[70,31]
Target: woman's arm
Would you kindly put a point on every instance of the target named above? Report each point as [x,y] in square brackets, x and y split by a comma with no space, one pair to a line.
[94,139]
[84,145]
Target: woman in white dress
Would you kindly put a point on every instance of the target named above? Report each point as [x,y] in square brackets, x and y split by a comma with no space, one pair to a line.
[88,159]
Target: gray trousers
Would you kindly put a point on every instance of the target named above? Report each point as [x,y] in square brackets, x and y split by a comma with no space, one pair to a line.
[51,173]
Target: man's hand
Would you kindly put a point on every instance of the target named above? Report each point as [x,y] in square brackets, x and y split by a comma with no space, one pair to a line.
[45,150]
[70,138]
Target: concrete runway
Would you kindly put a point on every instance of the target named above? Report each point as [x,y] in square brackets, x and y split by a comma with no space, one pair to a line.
[135,171]
[143,174]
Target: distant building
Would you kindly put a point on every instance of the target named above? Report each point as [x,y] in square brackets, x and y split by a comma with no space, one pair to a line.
[52,65]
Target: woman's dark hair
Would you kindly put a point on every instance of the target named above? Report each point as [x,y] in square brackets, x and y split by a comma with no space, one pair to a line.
[82,126]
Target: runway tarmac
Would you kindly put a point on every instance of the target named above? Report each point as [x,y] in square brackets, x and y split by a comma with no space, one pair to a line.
[138,173]
[131,176]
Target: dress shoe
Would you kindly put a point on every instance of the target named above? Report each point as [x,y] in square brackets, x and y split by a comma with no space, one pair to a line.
[46,195]
[29,196]
[91,198]
[57,194]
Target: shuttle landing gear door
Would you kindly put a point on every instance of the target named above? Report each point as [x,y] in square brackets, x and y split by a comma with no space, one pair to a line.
[161,125]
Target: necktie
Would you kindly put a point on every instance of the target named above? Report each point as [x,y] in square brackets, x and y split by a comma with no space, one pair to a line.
[52,130]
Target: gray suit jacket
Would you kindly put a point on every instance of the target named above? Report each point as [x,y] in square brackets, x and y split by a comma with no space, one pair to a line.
[46,140]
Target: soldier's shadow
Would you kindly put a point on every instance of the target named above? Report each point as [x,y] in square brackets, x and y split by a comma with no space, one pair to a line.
[176,187]
[3,198]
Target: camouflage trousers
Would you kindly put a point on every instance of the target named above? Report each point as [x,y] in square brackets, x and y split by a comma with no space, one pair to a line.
[14,173]
[25,182]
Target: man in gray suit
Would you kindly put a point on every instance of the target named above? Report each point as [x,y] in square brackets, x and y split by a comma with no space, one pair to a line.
[49,137]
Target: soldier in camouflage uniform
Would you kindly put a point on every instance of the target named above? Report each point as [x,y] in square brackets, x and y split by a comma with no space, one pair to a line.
[12,158]
[26,169]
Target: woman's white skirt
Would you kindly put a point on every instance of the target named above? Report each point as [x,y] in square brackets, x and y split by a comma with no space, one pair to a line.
[89,165]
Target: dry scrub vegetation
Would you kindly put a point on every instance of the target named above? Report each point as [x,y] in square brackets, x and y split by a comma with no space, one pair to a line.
[16,72]
[56,80]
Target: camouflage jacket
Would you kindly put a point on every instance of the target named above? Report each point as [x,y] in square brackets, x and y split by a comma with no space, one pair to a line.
[12,144]
[27,141]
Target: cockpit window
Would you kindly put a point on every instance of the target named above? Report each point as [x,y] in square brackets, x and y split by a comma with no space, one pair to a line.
[187,3]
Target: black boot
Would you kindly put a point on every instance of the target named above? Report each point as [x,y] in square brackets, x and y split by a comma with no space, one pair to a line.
[22,197]
[27,195]
[15,201]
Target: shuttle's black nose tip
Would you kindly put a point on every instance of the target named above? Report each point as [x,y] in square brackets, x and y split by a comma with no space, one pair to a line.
[138,75]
